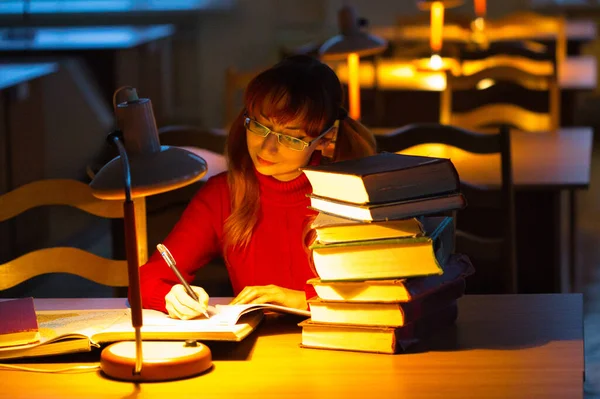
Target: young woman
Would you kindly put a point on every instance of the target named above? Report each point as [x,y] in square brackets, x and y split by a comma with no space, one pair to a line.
[255,215]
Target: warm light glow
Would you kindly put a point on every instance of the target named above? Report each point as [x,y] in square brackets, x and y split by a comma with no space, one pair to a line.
[437,26]
[354,86]
[480,8]
[435,81]
[485,83]
[435,62]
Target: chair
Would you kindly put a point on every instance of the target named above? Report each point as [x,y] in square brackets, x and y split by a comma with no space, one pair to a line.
[504,92]
[490,252]
[72,193]
[527,25]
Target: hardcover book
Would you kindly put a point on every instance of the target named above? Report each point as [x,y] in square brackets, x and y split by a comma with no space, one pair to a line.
[18,322]
[387,258]
[389,340]
[388,211]
[331,229]
[383,177]
[385,314]
[396,290]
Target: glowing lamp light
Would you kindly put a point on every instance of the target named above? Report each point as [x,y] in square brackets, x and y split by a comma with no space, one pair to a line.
[436,26]
[480,8]
[351,44]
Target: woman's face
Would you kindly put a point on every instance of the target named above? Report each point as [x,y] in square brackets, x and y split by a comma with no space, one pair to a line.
[274,159]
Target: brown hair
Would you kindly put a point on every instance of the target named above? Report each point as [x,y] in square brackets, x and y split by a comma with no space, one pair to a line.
[304,90]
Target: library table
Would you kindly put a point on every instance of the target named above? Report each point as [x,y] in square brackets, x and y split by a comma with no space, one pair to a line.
[502,346]
[547,169]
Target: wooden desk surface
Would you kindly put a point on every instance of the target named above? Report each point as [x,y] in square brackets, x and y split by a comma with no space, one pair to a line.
[87,38]
[577,73]
[576,30]
[540,160]
[15,73]
[517,346]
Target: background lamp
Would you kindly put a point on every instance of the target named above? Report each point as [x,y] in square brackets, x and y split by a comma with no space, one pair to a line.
[351,44]
[436,9]
[143,168]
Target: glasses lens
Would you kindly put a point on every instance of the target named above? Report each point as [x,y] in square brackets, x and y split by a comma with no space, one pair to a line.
[291,142]
[257,128]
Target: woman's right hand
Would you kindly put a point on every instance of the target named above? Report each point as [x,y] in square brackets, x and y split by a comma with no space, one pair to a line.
[181,306]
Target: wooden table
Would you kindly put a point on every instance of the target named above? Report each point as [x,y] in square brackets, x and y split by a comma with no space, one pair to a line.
[548,168]
[511,346]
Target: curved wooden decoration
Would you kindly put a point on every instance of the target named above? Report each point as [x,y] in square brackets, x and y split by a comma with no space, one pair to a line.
[533,67]
[503,114]
[57,192]
[501,73]
[75,261]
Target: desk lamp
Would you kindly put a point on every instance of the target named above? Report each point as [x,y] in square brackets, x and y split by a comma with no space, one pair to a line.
[143,168]
[351,44]
[436,9]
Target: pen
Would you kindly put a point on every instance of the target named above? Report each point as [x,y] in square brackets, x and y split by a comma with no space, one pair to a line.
[166,254]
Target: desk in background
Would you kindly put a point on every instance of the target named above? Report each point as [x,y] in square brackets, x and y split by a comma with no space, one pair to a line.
[503,346]
[138,56]
[548,168]
[77,12]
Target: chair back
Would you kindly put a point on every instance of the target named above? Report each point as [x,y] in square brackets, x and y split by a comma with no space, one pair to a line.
[527,25]
[501,95]
[491,248]
[72,193]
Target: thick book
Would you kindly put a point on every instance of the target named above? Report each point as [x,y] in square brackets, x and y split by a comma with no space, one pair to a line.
[403,209]
[331,229]
[383,177]
[387,258]
[71,331]
[385,314]
[395,290]
[388,340]
[18,322]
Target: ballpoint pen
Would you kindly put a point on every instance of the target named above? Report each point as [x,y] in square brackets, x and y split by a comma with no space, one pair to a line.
[166,254]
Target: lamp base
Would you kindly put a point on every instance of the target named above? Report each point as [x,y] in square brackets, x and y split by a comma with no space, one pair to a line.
[162,360]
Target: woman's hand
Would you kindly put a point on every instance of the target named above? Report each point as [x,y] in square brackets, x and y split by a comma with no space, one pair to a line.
[272,294]
[181,306]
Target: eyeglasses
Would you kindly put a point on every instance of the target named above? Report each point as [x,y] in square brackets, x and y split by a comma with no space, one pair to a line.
[293,143]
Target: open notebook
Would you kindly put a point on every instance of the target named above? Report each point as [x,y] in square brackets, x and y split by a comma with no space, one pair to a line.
[70,331]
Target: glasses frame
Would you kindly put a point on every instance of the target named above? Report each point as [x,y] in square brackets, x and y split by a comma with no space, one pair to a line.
[307,144]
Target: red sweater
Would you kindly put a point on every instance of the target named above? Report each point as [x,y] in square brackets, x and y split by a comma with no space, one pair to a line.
[275,254]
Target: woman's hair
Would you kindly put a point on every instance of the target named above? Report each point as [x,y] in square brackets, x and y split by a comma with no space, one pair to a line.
[299,89]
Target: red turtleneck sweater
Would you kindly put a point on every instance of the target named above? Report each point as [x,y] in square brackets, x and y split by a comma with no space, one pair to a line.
[275,254]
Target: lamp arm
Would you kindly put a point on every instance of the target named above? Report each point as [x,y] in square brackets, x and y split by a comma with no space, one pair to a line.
[131,248]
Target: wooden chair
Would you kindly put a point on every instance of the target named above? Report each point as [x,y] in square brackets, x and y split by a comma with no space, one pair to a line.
[108,272]
[491,249]
[510,85]
[527,25]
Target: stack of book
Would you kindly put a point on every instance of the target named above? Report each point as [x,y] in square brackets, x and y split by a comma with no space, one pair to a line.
[388,276]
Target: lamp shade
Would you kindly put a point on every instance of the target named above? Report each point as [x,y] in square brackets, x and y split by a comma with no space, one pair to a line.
[351,39]
[167,169]
[154,168]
